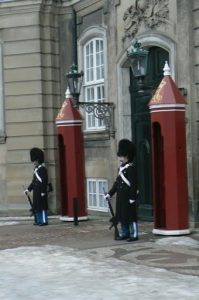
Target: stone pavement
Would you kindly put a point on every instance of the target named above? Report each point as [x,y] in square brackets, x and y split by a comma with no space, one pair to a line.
[176,254]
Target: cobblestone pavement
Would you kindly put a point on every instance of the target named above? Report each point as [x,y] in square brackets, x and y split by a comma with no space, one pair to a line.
[94,238]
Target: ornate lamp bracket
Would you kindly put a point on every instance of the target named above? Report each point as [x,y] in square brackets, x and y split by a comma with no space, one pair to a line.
[103,111]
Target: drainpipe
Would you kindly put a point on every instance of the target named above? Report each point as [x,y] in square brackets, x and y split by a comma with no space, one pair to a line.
[74,36]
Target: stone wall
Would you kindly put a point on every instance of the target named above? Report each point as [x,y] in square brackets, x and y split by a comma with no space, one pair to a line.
[30,38]
[193,139]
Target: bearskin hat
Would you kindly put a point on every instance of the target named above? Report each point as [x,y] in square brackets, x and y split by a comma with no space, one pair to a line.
[126,148]
[37,154]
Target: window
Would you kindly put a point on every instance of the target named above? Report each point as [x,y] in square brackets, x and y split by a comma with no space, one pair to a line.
[95,194]
[94,79]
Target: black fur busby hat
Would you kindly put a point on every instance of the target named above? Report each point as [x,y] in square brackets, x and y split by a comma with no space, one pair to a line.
[37,154]
[126,148]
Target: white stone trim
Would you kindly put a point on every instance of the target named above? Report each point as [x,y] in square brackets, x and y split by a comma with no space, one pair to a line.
[171,232]
[167,105]
[2,106]
[166,110]
[71,219]
[68,123]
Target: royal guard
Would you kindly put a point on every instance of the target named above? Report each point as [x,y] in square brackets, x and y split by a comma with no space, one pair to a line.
[39,187]
[125,189]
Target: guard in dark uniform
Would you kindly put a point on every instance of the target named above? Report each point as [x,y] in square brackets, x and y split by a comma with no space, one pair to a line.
[125,189]
[39,186]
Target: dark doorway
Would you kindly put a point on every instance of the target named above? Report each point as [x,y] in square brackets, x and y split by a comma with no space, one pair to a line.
[159,188]
[62,175]
[141,130]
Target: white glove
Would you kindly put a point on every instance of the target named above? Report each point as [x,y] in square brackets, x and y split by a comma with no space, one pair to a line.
[131,201]
[107,197]
[26,191]
[43,194]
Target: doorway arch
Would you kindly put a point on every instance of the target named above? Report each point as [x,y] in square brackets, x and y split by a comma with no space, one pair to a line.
[133,112]
[141,127]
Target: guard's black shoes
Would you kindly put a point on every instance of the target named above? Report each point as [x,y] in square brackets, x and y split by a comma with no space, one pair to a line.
[121,238]
[131,239]
[43,224]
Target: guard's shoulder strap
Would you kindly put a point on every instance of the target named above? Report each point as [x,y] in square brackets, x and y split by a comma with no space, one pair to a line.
[37,175]
[122,175]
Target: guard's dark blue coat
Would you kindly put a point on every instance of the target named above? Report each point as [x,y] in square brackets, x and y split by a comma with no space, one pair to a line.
[39,188]
[125,190]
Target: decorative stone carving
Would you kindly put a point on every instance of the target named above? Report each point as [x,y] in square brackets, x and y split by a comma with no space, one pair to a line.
[150,12]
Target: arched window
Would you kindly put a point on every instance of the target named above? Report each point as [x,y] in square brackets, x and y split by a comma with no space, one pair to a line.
[94,90]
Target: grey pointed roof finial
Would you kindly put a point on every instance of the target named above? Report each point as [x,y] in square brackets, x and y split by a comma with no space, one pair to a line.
[167,70]
[67,93]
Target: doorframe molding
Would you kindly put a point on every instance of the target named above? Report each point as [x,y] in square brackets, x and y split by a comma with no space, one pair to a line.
[123,79]
[162,41]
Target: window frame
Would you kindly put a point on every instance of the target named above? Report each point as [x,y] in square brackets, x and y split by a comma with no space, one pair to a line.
[99,194]
[93,33]
[94,65]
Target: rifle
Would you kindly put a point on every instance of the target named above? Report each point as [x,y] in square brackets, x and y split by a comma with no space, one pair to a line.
[32,210]
[113,219]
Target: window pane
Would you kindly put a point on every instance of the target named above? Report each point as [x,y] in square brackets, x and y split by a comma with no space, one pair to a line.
[103,96]
[100,123]
[90,186]
[102,72]
[102,58]
[98,75]
[90,117]
[94,94]
[97,59]
[91,120]
[89,94]
[102,188]
[101,46]
[97,45]
[91,74]
[100,92]
[91,47]
[92,193]
[89,63]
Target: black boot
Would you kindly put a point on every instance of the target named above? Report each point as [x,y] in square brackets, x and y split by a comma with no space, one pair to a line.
[132,239]
[120,238]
